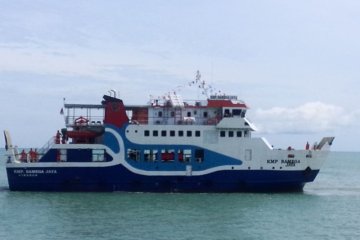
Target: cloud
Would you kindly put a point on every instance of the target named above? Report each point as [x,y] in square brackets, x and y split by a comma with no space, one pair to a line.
[311,117]
[65,60]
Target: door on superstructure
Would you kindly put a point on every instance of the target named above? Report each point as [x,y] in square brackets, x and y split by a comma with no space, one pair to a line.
[248,154]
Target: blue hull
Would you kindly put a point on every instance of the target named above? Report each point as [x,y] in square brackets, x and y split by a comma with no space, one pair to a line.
[118,178]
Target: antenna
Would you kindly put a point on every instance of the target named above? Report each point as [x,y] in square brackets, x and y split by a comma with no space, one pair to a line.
[112,90]
[112,93]
[205,88]
[202,86]
[198,76]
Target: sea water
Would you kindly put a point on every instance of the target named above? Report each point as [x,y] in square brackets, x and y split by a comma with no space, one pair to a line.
[329,208]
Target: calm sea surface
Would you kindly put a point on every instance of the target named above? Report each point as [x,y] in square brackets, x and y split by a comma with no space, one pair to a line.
[329,208]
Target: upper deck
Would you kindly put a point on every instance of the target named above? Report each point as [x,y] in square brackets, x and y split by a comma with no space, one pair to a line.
[174,111]
[169,110]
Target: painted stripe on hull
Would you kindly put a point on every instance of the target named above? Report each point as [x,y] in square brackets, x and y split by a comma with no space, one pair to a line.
[118,178]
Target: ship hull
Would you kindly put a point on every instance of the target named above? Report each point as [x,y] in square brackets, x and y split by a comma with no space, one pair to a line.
[118,178]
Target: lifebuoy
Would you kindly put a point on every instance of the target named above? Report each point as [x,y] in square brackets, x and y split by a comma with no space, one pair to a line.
[81,120]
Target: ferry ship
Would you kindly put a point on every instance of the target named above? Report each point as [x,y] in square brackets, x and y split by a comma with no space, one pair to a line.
[167,145]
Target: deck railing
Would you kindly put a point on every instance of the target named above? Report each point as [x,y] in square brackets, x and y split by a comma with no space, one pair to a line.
[43,150]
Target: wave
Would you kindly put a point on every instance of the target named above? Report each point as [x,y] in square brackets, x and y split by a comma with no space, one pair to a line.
[4,188]
[336,191]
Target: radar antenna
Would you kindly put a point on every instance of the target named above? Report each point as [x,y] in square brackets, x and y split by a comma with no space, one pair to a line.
[205,88]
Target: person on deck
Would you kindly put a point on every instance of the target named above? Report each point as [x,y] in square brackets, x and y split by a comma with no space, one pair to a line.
[33,155]
[23,156]
[57,137]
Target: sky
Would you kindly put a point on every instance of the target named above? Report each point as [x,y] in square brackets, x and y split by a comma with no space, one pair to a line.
[295,63]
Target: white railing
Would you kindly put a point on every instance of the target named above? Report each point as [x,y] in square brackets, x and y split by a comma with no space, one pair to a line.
[71,121]
[46,147]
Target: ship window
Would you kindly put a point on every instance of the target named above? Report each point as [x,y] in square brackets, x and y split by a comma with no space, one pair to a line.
[146,133]
[167,155]
[163,133]
[150,155]
[189,114]
[239,134]
[154,155]
[147,155]
[199,155]
[172,133]
[231,134]
[188,133]
[243,114]
[227,113]
[172,114]
[160,114]
[155,133]
[184,155]
[222,133]
[98,155]
[205,115]
[187,155]
[236,112]
[62,155]
[181,133]
[246,133]
[197,133]
[133,154]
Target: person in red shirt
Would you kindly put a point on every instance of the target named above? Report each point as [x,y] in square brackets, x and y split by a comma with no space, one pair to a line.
[23,156]
[57,137]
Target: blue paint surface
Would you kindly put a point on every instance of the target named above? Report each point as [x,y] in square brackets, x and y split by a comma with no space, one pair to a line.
[111,142]
[211,159]
[118,178]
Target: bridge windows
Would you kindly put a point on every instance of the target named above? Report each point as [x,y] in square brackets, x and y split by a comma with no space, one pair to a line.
[227,113]
[231,133]
[236,112]
[243,113]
